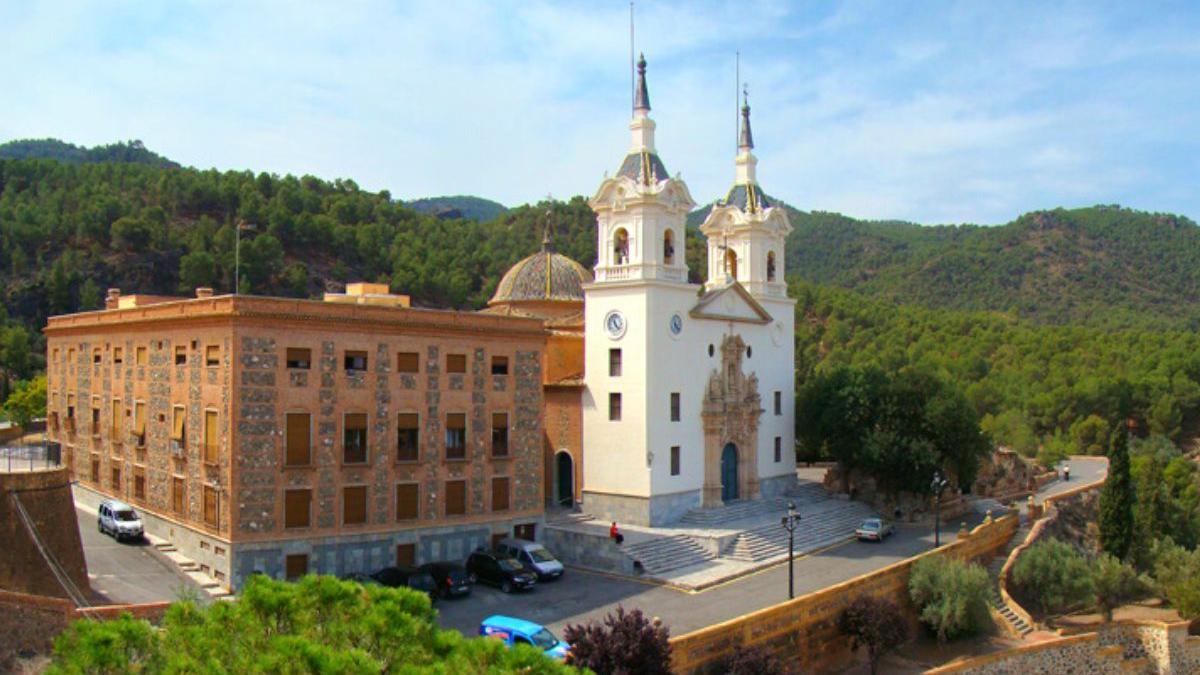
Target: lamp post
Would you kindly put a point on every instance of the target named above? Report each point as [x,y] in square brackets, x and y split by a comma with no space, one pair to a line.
[937,486]
[789,523]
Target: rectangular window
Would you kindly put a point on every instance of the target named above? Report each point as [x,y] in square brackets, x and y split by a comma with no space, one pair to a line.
[210,437]
[178,495]
[779,403]
[614,363]
[778,449]
[210,506]
[70,406]
[139,482]
[96,469]
[499,365]
[456,497]
[298,440]
[139,423]
[178,417]
[674,460]
[140,356]
[118,356]
[408,362]
[296,509]
[114,425]
[116,479]
[406,555]
[674,406]
[407,503]
[614,407]
[354,438]
[408,436]
[212,355]
[500,494]
[456,363]
[354,505]
[499,434]
[295,566]
[95,420]
[181,355]
[96,355]
[355,362]
[300,359]
[456,436]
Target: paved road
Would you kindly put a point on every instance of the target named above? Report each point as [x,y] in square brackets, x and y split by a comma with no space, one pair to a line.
[126,573]
[1084,470]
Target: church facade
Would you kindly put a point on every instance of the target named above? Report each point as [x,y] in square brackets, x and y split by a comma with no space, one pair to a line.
[688,390]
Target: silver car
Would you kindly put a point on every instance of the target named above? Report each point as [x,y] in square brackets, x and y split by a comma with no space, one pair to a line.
[118,519]
[873,529]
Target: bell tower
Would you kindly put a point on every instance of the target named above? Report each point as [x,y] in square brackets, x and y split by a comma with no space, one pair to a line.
[745,231]
[641,212]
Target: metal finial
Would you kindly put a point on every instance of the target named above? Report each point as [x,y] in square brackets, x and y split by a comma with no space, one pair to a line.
[641,99]
[745,138]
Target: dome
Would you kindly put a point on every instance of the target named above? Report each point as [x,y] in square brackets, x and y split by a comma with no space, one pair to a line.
[543,276]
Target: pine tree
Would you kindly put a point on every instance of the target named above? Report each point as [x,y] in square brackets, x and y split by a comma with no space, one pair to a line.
[1116,501]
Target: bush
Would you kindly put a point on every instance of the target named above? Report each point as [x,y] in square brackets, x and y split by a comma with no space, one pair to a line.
[1115,582]
[1177,577]
[626,642]
[1053,576]
[951,596]
[747,661]
[874,623]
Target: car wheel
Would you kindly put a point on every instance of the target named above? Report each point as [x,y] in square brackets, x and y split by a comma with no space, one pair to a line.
[506,586]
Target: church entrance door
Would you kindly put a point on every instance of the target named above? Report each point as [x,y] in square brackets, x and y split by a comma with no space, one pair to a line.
[565,483]
[729,473]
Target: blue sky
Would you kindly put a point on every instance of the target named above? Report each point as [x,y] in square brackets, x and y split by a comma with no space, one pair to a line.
[936,112]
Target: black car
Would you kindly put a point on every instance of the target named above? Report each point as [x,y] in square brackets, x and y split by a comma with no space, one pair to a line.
[500,571]
[365,579]
[450,578]
[410,577]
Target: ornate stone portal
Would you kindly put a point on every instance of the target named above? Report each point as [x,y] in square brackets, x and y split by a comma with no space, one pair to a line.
[730,413]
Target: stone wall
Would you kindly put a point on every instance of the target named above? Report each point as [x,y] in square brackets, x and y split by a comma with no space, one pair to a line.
[46,496]
[1004,475]
[592,551]
[803,631]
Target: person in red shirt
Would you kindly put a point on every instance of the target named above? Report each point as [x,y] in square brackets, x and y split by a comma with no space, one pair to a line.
[615,535]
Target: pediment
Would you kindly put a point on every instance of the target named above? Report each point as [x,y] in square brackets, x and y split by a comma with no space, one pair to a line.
[731,302]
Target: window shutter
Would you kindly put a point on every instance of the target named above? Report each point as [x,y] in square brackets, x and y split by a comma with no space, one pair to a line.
[177,419]
[298,438]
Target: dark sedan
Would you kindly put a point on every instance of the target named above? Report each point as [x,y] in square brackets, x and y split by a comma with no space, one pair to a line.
[500,571]
[451,578]
[411,577]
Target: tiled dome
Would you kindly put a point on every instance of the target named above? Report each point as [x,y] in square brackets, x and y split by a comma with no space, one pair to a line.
[545,275]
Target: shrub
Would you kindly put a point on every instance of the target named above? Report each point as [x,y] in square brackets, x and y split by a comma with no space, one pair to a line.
[1114,582]
[951,596]
[874,623]
[626,642]
[747,661]
[1177,577]
[1053,576]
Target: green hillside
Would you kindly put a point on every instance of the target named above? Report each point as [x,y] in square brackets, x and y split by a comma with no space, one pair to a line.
[459,206]
[51,148]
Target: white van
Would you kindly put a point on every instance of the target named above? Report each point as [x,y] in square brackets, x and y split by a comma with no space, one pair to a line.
[533,556]
[118,519]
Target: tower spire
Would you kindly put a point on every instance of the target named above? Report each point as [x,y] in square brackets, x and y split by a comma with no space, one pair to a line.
[745,138]
[641,98]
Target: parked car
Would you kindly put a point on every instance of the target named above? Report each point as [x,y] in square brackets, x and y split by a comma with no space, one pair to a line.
[873,529]
[451,578]
[500,570]
[519,631]
[360,577]
[411,577]
[118,519]
[533,556]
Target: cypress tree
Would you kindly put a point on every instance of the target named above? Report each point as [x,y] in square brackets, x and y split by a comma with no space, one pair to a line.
[1116,500]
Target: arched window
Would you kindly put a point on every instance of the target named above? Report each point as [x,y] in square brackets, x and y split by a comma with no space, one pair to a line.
[771,266]
[620,247]
[668,248]
[731,263]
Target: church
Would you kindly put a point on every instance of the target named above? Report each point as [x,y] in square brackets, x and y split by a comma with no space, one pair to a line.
[664,396]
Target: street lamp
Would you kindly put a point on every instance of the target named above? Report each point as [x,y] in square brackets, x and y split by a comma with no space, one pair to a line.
[789,523]
[937,486]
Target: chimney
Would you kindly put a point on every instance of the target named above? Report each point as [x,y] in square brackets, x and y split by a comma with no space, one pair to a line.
[113,299]
[203,292]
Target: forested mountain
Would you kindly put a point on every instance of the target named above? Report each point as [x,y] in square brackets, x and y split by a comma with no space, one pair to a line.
[51,148]
[459,206]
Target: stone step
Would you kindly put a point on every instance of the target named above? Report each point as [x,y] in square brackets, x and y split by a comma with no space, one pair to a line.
[826,528]
[663,554]
[802,495]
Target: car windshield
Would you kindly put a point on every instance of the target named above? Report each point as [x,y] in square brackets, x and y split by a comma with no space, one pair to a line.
[509,565]
[870,525]
[126,515]
[541,555]
[544,639]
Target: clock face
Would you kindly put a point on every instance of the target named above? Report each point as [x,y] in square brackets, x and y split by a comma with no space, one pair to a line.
[676,324]
[614,324]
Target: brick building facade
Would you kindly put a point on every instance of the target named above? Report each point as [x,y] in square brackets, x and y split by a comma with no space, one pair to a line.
[282,436]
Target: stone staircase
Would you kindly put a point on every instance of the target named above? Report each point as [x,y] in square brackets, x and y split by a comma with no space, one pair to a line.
[815,531]
[662,554]
[567,518]
[801,495]
[1016,622]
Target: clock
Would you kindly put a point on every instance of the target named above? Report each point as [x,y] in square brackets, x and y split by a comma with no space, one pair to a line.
[614,324]
[675,325]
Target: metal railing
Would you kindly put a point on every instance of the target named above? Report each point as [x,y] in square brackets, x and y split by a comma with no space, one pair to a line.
[30,457]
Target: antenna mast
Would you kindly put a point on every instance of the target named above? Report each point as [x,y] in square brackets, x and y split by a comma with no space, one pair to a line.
[632,85]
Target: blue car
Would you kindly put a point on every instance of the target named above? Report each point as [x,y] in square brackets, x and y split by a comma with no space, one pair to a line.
[519,631]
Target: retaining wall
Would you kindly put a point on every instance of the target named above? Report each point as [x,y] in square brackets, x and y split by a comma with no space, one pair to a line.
[46,496]
[803,631]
